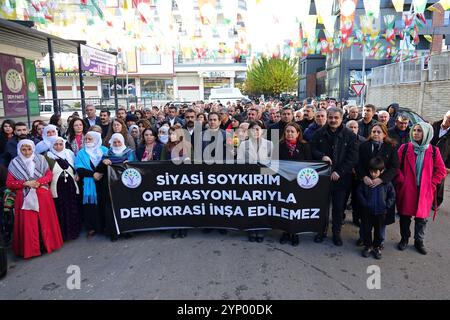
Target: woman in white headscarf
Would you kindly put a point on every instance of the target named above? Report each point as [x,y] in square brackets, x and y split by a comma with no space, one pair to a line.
[86,164]
[64,188]
[35,216]
[48,132]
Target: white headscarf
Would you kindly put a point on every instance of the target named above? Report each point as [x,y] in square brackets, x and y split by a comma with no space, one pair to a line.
[28,161]
[46,144]
[30,200]
[117,150]
[93,149]
[66,154]
[47,140]
[130,129]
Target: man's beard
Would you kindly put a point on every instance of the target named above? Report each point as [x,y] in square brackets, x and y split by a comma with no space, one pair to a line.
[22,136]
[190,124]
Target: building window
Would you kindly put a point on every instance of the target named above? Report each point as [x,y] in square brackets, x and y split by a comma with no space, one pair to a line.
[150,58]
[157,89]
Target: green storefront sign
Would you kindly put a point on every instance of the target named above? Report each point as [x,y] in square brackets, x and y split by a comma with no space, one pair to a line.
[32,90]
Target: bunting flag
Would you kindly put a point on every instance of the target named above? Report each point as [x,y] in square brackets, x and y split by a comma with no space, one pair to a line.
[208,13]
[323,9]
[372,8]
[428,37]
[389,21]
[408,19]
[348,9]
[398,5]
[329,24]
[419,6]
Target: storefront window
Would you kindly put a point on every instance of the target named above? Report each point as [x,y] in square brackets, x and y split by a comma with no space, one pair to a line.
[157,89]
[108,88]
[209,83]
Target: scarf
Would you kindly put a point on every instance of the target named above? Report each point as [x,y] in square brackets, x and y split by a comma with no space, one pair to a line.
[376,146]
[117,150]
[92,152]
[148,152]
[93,149]
[46,142]
[26,169]
[66,154]
[419,149]
[291,145]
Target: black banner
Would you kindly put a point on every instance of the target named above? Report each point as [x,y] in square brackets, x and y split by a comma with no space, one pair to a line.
[289,196]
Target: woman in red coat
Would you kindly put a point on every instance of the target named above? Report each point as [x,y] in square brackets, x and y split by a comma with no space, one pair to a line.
[34,210]
[421,170]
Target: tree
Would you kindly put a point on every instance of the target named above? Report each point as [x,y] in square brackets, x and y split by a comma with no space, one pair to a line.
[271,76]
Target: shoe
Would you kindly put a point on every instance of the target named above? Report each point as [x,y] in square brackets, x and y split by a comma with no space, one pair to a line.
[174,234]
[295,240]
[285,237]
[359,242]
[366,252]
[252,237]
[337,240]
[382,246]
[182,233]
[420,247]
[90,234]
[402,244]
[319,238]
[114,238]
[377,253]
[259,239]
[223,231]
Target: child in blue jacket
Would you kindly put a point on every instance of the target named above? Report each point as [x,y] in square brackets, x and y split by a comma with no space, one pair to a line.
[374,202]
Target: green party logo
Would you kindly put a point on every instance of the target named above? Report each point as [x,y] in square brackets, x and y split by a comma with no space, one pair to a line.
[131,178]
[307,178]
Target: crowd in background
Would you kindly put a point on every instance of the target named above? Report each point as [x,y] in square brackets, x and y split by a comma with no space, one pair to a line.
[54,176]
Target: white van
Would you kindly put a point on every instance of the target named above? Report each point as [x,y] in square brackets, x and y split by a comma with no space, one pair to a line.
[226,94]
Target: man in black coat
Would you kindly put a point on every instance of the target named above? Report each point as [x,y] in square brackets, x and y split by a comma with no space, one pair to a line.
[91,117]
[367,120]
[441,139]
[336,145]
[308,117]
[287,116]
[400,132]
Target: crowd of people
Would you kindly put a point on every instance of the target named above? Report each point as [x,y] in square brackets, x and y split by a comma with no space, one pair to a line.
[56,173]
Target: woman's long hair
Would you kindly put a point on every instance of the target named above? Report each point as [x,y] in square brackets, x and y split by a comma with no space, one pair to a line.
[71,131]
[124,132]
[181,140]
[11,123]
[383,128]
[299,131]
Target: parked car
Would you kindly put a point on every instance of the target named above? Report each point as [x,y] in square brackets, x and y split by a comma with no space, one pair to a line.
[413,116]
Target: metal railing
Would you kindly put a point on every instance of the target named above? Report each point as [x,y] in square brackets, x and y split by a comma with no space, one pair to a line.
[439,67]
[401,72]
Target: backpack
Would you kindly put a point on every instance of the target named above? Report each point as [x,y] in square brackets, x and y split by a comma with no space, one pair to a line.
[402,165]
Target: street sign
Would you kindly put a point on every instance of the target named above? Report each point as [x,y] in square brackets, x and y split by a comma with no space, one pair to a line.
[358,88]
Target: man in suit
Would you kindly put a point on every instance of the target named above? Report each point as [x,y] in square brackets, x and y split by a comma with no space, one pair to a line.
[173,118]
[441,139]
[91,117]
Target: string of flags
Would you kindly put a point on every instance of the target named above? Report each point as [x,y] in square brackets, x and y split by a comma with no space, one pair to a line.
[162,26]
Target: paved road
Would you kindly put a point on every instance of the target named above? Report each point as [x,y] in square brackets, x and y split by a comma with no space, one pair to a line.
[214,266]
